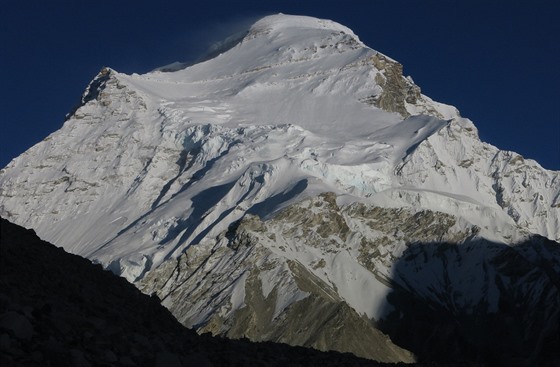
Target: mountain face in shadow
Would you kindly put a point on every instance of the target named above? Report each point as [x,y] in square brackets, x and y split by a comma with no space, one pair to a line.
[478,302]
[57,309]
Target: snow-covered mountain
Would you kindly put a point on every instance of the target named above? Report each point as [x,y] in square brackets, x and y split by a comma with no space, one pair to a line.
[281,184]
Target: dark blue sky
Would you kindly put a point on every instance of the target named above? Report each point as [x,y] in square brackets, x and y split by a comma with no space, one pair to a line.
[496,61]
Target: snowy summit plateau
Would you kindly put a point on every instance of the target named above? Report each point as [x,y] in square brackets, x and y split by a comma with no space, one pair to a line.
[296,187]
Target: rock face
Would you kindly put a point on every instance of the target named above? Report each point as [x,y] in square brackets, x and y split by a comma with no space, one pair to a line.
[396,91]
[277,284]
[276,190]
[420,276]
[58,309]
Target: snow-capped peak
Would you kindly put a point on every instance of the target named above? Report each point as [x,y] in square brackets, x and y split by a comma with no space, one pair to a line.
[281,22]
[294,169]
[277,39]
[151,164]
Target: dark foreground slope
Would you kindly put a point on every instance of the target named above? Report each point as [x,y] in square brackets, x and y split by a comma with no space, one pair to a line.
[57,309]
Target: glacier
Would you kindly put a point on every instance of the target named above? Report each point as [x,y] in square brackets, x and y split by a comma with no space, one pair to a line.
[162,175]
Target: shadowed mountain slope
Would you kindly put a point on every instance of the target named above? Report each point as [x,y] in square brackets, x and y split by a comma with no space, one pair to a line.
[480,301]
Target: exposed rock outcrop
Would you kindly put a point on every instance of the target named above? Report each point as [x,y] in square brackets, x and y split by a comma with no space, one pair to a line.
[317,273]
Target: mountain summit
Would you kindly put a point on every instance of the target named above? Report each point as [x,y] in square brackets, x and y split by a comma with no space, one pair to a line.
[272,191]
